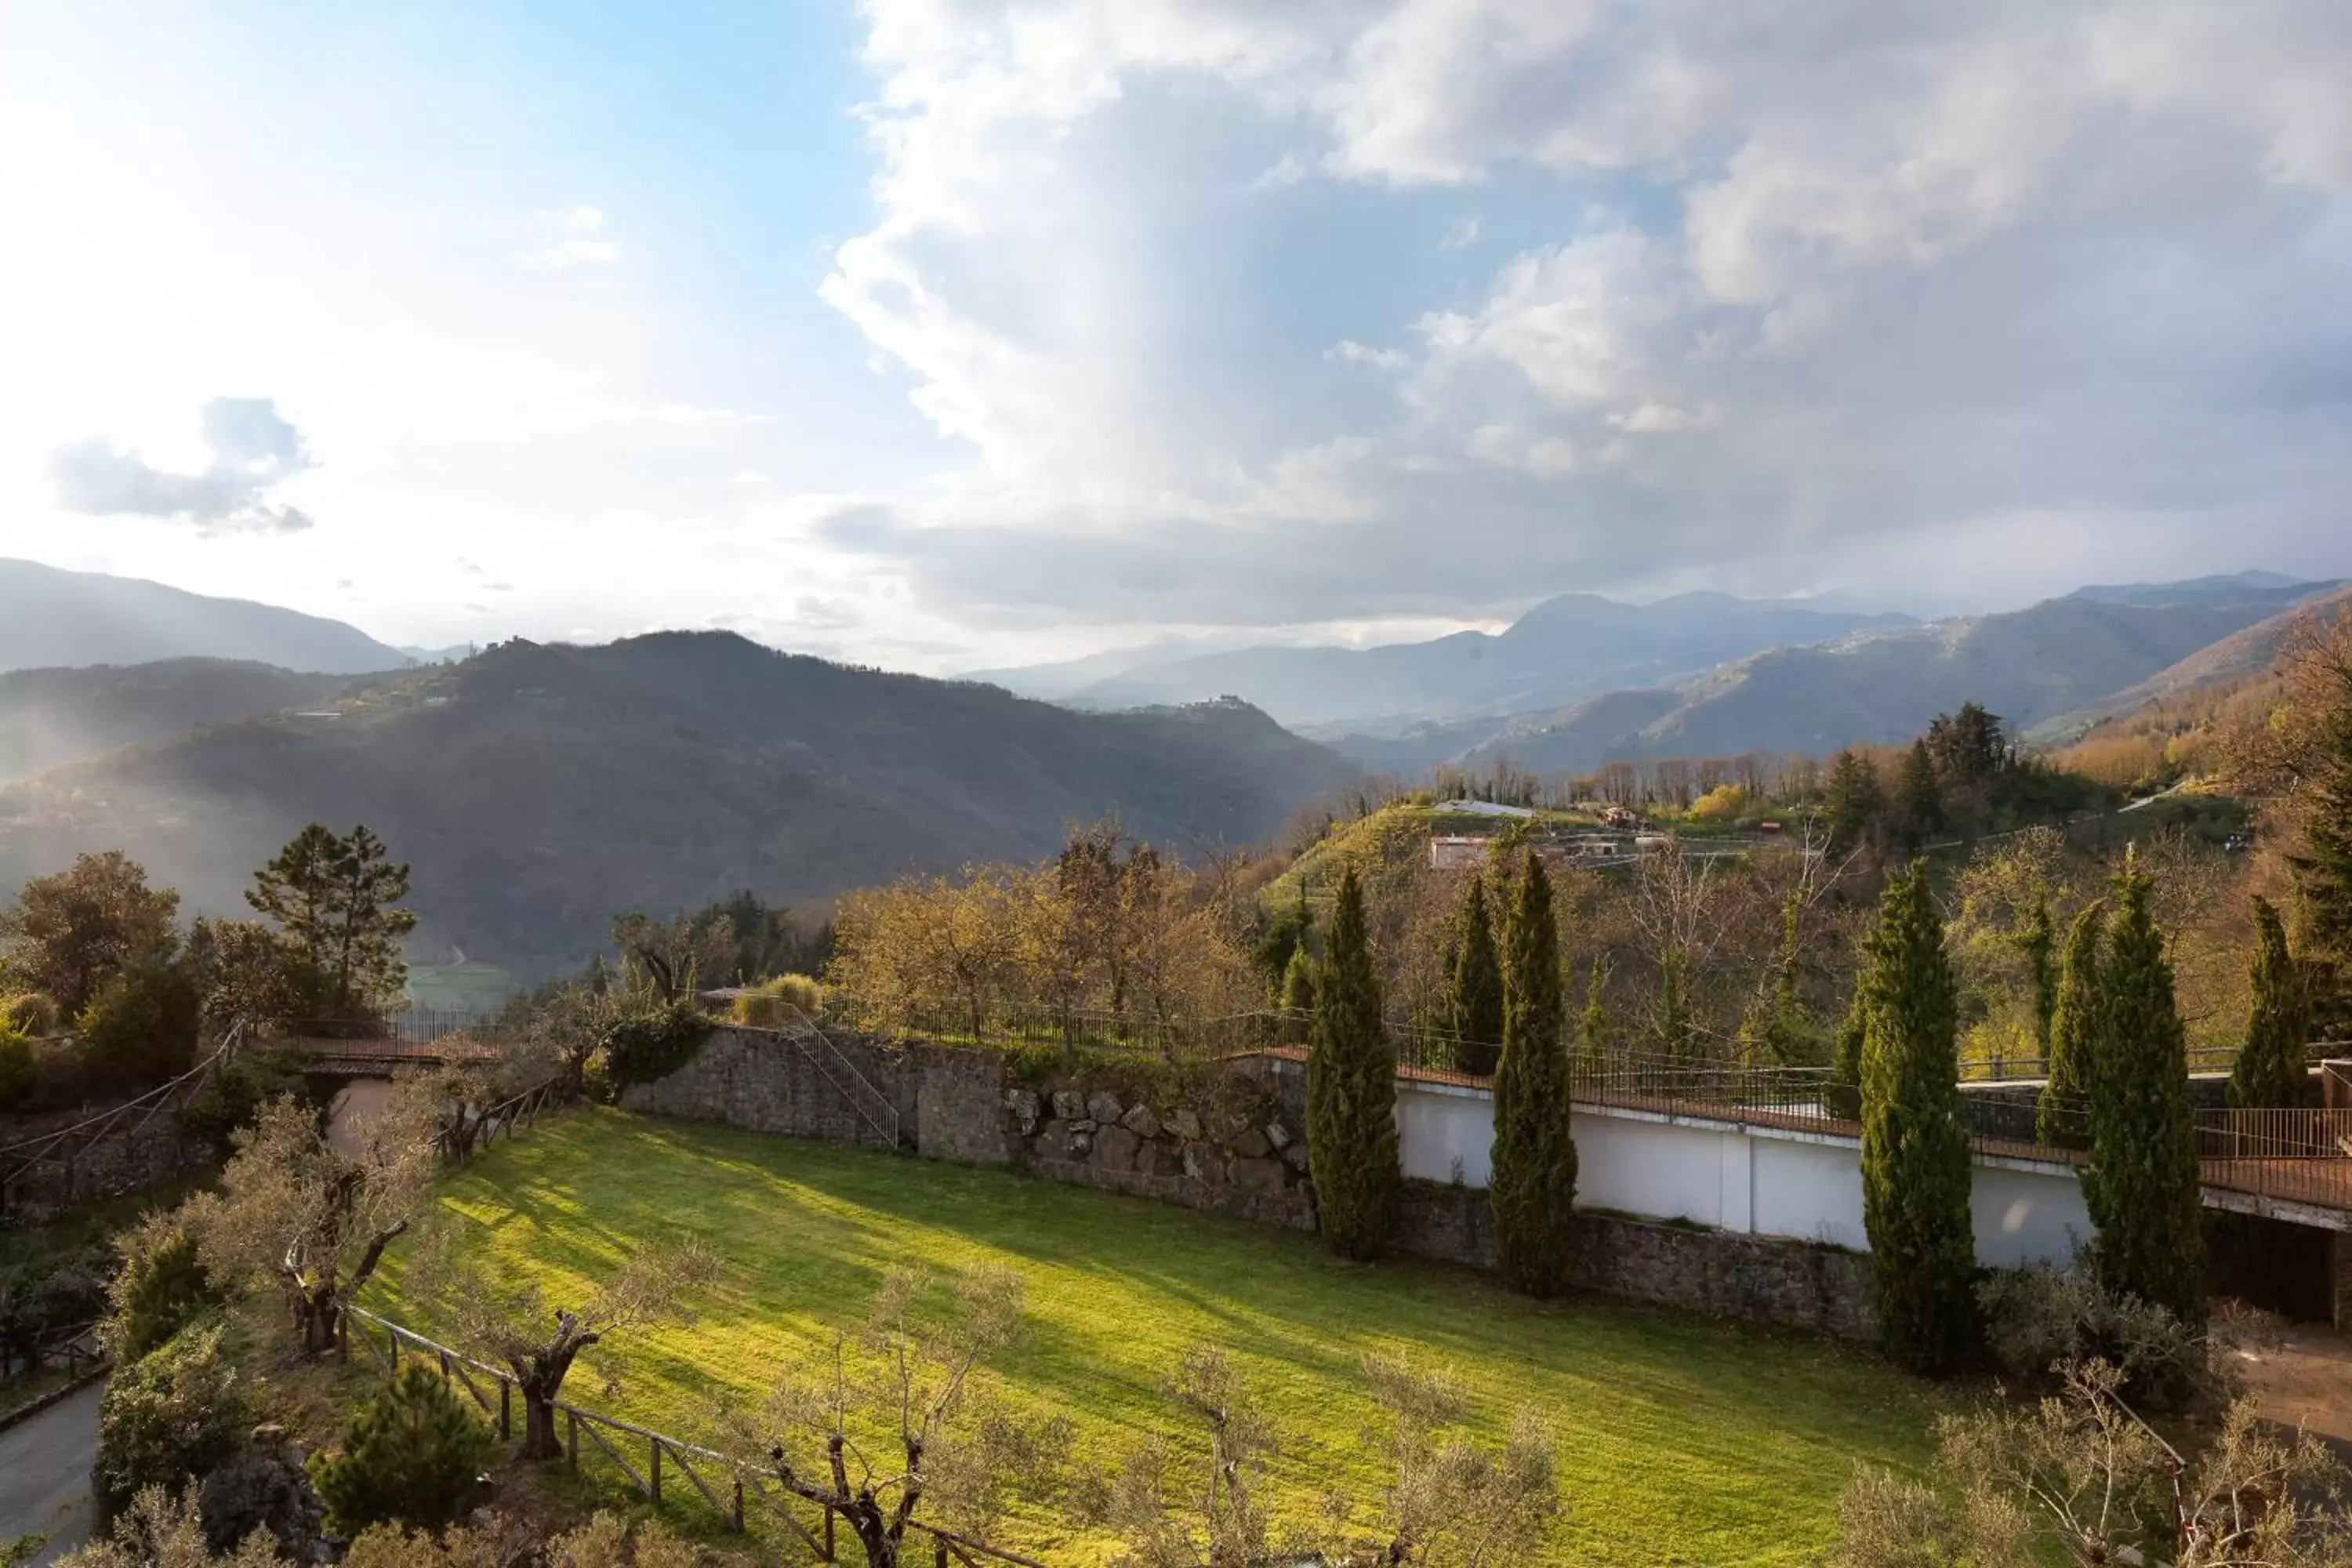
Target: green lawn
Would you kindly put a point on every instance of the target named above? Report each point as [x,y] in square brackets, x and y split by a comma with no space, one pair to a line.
[1682,1440]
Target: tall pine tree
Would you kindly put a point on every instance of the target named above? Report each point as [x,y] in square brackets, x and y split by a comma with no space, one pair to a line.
[1914,1153]
[1533,1187]
[2061,1114]
[1477,985]
[2270,1069]
[1351,1133]
[2141,1183]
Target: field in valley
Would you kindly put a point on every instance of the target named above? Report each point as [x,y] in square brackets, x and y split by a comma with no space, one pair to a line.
[1681,1439]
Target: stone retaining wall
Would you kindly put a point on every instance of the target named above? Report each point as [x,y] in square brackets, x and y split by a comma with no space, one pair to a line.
[1759,1280]
[1234,1145]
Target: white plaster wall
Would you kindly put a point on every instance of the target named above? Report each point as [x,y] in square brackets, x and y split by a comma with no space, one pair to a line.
[1809,1191]
[2026,1216]
[1434,1129]
[1749,1179]
[1653,1168]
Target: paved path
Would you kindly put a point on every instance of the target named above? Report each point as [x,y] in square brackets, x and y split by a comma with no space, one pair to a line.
[45,1473]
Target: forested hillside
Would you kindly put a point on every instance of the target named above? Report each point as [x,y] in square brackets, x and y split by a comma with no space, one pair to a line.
[540,789]
[48,717]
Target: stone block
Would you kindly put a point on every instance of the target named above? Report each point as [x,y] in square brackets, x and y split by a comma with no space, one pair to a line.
[1277,1135]
[1115,1148]
[1070,1104]
[1164,1158]
[1252,1144]
[1295,1158]
[1185,1124]
[1204,1161]
[1139,1120]
[1025,1108]
[1259,1175]
[1104,1106]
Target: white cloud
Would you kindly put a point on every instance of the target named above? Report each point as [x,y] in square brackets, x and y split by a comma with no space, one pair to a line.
[1347,350]
[253,449]
[1816,271]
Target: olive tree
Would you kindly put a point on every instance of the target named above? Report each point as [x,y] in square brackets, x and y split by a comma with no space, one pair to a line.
[901,1419]
[295,1213]
[2078,1477]
[509,1322]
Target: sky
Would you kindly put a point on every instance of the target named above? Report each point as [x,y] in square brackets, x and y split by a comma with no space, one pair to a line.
[943,334]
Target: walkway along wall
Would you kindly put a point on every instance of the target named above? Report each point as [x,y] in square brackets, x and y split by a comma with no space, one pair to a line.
[1757,1223]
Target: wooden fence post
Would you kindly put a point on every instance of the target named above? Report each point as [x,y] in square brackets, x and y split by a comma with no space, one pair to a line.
[738,1514]
[828,1533]
[652,1473]
[572,1438]
[939,1554]
[505,1403]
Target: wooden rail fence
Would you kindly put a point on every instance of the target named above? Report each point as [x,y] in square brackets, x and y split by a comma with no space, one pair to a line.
[609,1435]
[62,1148]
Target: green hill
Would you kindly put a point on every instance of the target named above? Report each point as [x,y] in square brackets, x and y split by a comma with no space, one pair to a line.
[539,789]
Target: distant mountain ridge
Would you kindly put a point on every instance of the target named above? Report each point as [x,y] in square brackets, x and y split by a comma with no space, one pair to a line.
[50,617]
[1573,646]
[540,789]
[2026,665]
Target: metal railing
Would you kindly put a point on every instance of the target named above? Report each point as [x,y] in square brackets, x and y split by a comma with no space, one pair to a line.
[872,1106]
[738,1480]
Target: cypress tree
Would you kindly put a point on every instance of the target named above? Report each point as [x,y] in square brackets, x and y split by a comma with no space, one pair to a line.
[1299,994]
[1855,800]
[1842,1095]
[1674,1019]
[2038,944]
[2141,1183]
[1919,799]
[2060,1116]
[1592,1025]
[1915,1155]
[1477,985]
[1351,1133]
[2323,869]
[2270,1070]
[1533,1187]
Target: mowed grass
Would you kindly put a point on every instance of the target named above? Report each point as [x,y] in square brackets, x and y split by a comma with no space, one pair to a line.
[1681,1439]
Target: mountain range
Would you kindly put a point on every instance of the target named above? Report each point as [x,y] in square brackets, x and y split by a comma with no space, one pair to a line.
[539,789]
[2026,665]
[52,617]
[1574,646]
